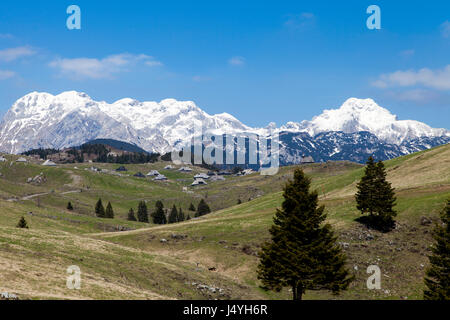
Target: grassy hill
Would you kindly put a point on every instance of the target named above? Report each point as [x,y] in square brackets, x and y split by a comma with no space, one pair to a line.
[202,256]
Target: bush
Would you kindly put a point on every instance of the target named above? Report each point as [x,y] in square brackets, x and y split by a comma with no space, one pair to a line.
[22,223]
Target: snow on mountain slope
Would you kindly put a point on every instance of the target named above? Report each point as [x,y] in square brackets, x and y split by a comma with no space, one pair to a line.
[42,120]
[357,115]
[72,118]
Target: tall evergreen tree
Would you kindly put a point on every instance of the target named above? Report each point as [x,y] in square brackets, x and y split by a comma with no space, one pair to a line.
[173,216]
[202,208]
[181,216]
[131,216]
[385,199]
[22,223]
[303,253]
[69,206]
[437,278]
[159,216]
[99,209]
[376,196]
[366,189]
[192,208]
[109,213]
[142,214]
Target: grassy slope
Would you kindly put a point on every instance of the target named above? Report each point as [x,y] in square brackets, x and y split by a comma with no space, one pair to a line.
[25,264]
[125,192]
[400,254]
[227,239]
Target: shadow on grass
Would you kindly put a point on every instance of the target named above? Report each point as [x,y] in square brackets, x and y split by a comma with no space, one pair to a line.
[377,223]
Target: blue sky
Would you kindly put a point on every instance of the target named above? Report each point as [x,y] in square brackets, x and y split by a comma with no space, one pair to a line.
[261,61]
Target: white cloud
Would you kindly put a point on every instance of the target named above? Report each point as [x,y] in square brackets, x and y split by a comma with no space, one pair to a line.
[93,68]
[12,54]
[300,21]
[414,95]
[436,79]
[6,74]
[236,61]
[154,63]
[445,29]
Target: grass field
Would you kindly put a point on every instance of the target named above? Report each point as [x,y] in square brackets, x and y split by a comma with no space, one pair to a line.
[136,264]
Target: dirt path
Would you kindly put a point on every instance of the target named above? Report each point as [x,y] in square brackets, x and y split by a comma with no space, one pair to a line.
[28,197]
[38,195]
[73,191]
[77,180]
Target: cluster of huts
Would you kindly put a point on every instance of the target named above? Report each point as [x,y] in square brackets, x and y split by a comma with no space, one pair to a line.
[47,163]
[199,179]
[21,159]
[153,173]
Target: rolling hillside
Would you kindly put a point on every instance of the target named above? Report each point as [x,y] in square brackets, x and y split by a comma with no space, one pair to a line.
[210,257]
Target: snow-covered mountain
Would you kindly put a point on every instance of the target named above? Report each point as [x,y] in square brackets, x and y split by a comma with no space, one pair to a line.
[72,118]
[358,128]
[357,115]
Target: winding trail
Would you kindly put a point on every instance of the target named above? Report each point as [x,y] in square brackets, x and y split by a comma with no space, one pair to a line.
[38,195]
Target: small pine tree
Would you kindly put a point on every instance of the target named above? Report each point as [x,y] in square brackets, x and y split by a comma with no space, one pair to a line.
[159,217]
[437,278]
[142,214]
[376,196]
[131,216]
[202,208]
[69,206]
[188,217]
[303,253]
[192,208]
[99,209]
[109,213]
[173,216]
[22,223]
[181,217]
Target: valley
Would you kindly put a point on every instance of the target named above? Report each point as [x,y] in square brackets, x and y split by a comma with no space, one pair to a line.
[210,257]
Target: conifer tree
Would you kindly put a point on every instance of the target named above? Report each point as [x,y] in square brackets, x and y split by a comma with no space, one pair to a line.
[180,215]
[109,213]
[239,201]
[385,199]
[142,214]
[437,278]
[159,216]
[202,208]
[22,223]
[303,253]
[366,189]
[376,196]
[99,209]
[69,206]
[192,208]
[131,216]
[188,217]
[173,216]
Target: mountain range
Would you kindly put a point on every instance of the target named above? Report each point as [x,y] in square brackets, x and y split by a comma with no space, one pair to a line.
[354,131]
